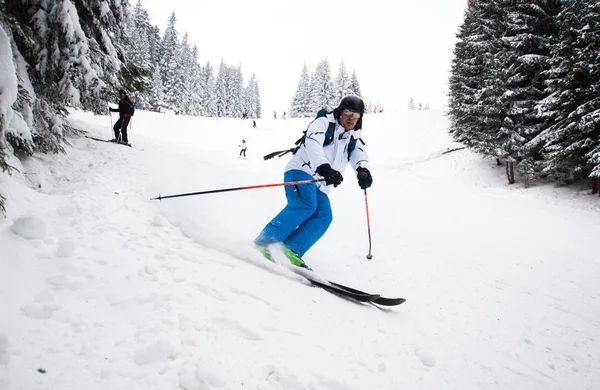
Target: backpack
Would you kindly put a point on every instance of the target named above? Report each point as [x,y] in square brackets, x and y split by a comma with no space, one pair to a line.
[328,138]
[132,111]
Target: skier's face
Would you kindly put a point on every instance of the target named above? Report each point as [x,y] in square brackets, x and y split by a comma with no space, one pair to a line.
[349,118]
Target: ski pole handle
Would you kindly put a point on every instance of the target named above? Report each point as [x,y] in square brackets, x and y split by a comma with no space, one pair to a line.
[289,183]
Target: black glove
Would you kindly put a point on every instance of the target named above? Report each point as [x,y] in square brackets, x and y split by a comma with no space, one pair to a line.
[364,178]
[330,175]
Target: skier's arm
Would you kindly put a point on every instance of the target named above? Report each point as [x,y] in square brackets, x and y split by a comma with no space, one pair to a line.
[359,156]
[315,138]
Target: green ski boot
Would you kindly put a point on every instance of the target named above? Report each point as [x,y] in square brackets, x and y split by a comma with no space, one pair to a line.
[295,259]
[264,249]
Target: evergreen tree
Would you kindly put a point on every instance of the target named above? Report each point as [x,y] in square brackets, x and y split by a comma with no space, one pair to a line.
[322,87]
[570,145]
[354,86]
[342,82]
[66,54]
[301,103]
[139,54]
[476,80]
[221,89]
[156,97]
[169,46]
[252,99]
[197,86]
[154,41]
[209,100]
[235,92]
[411,104]
[183,74]
[524,59]
[256,93]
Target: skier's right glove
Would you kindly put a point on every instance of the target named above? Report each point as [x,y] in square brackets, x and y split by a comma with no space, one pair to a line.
[330,175]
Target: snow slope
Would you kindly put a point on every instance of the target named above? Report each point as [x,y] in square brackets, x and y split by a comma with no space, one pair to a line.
[101,287]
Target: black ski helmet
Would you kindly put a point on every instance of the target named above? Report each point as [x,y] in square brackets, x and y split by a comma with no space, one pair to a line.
[352,103]
[121,92]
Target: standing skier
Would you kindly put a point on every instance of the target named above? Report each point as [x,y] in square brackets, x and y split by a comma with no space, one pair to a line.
[307,215]
[244,146]
[125,110]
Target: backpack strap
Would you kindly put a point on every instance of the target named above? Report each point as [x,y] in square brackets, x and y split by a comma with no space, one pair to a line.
[328,140]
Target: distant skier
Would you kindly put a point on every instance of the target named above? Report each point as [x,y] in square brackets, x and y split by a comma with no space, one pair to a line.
[284,114]
[307,215]
[254,123]
[125,110]
[274,114]
[244,146]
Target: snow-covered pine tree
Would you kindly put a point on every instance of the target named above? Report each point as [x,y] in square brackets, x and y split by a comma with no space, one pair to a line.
[301,106]
[411,104]
[196,85]
[209,100]
[154,40]
[342,82]
[235,92]
[525,58]
[139,54]
[72,54]
[476,82]
[256,92]
[252,101]
[221,89]
[570,145]
[354,85]
[183,77]
[322,87]
[169,48]
[155,93]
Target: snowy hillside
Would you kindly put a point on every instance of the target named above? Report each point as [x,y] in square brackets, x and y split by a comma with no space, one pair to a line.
[103,288]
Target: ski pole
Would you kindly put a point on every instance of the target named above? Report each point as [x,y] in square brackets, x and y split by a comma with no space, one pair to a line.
[369,256]
[110,127]
[289,183]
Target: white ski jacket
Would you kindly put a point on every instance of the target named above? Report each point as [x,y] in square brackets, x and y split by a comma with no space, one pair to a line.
[312,153]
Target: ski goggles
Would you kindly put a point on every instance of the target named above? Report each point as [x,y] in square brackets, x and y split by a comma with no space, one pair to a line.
[353,114]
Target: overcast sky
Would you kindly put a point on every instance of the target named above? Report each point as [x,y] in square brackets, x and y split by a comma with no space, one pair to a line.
[399,49]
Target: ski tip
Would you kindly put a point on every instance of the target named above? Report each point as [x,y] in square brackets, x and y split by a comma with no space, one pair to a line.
[383,301]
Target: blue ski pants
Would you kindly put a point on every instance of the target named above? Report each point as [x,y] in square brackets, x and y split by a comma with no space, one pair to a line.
[304,219]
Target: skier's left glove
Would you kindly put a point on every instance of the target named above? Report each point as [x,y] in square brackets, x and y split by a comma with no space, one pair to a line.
[364,178]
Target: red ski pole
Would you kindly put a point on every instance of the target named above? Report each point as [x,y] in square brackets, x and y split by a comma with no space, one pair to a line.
[369,256]
[289,183]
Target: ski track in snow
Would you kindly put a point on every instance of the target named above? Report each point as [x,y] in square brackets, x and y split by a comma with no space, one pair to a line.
[101,287]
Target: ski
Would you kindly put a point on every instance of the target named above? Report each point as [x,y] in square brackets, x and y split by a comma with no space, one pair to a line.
[330,287]
[339,289]
[383,301]
[111,142]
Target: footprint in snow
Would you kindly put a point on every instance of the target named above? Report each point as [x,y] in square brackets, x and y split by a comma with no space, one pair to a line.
[425,357]
[207,376]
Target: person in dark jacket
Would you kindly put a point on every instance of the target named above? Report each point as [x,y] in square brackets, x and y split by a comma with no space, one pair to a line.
[125,111]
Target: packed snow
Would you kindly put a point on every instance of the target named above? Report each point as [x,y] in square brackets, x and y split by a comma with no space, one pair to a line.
[103,288]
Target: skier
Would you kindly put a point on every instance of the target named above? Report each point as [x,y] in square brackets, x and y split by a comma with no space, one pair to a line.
[244,146]
[274,114]
[254,124]
[125,110]
[284,114]
[307,215]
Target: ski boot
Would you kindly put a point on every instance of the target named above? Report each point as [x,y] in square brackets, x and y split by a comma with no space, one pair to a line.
[264,249]
[295,259]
